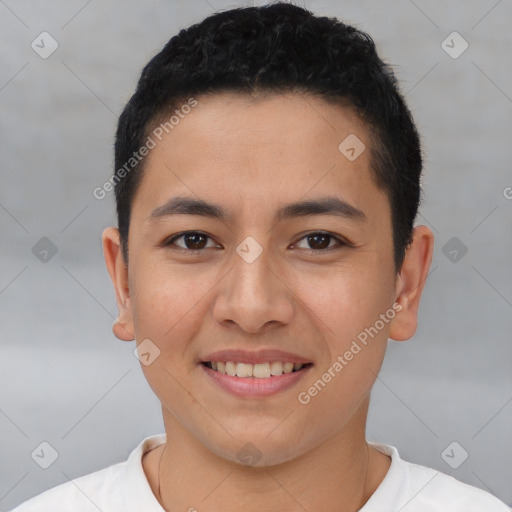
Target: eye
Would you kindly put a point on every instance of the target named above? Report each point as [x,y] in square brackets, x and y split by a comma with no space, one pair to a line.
[192,240]
[320,241]
[195,241]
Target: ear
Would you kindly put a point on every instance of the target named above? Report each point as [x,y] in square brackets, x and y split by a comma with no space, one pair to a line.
[118,270]
[410,283]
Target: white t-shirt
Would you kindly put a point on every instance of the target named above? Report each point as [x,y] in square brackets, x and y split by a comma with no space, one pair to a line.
[123,487]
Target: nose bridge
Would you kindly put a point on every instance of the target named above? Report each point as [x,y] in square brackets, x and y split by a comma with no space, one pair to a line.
[252,295]
[252,277]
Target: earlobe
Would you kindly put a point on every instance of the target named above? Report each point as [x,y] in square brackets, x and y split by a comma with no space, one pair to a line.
[121,332]
[118,271]
[410,283]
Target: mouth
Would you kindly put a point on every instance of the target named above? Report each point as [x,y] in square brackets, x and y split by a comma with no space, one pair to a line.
[265,370]
[250,374]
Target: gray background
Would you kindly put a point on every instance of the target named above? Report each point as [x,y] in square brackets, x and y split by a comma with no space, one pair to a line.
[66,380]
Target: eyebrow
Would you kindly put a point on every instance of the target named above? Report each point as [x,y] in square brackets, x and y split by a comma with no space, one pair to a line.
[330,205]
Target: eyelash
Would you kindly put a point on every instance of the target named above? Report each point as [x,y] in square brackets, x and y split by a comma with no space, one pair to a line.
[340,241]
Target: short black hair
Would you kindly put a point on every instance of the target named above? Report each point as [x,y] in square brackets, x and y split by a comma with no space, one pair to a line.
[279,48]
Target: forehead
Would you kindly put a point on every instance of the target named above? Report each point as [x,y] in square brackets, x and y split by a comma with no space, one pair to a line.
[230,123]
[264,150]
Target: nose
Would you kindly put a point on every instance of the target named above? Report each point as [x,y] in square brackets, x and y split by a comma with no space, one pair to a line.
[253,296]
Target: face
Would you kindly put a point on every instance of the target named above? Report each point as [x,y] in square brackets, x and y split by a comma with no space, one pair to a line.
[288,258]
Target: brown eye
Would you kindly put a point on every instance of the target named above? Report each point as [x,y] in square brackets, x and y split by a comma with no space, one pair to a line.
[320,241]
[192,240]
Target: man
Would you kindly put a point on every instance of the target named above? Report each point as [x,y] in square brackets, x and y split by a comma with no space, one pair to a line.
[267,182]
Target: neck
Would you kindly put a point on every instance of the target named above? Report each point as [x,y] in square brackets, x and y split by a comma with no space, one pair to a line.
[341,474]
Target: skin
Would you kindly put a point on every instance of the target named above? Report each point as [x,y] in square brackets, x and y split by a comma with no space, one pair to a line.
[251,156]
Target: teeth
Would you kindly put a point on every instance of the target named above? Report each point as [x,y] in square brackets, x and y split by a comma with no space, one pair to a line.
[287,367]
[244,370]
[276,368]
[231,368]
[259,370]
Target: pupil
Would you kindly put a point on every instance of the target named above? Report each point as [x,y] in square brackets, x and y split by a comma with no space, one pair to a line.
[196,243]
[320,245]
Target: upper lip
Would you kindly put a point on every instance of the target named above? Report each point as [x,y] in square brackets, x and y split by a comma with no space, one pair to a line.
[250,357]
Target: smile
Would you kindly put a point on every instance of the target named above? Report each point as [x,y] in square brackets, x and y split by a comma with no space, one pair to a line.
[258,370]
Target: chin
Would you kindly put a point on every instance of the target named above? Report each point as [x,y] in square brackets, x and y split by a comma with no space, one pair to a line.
[258,450]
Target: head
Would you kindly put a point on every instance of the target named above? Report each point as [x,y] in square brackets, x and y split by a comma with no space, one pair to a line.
[277,49]
[298,167]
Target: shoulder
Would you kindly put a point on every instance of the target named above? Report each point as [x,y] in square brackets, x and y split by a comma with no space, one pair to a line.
[420,488]
[84,494]
[120,487]
[444,492]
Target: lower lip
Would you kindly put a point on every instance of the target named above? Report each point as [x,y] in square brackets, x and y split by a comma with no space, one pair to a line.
[252,387]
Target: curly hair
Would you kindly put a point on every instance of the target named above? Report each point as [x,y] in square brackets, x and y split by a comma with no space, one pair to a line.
[279,48]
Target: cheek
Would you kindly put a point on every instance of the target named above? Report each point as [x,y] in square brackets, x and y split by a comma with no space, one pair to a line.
[343,301]
[167,309]
[335,391]
[347,306]
[170,307]
[163,297]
